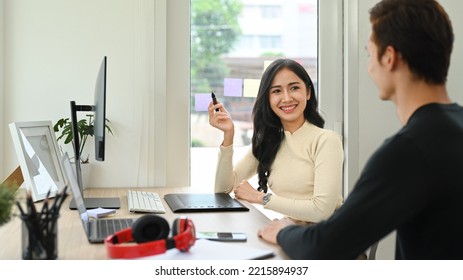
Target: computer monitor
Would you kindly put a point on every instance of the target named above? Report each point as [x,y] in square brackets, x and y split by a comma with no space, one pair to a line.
[100,112]
[99,107]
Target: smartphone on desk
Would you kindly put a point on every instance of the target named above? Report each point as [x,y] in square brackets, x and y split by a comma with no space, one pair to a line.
[222,236]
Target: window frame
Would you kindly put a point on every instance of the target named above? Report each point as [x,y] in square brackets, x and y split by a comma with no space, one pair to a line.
[172,107]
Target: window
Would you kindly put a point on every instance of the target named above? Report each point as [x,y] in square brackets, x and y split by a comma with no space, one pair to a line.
[270,42]
[270,12]
[231,43]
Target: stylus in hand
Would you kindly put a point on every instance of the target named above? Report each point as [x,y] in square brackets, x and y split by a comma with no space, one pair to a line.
[214,100]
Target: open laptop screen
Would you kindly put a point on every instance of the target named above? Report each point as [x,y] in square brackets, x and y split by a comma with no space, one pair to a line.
[77,195]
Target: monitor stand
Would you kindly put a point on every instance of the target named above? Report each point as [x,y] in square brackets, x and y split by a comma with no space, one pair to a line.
[89,202]
[95,202]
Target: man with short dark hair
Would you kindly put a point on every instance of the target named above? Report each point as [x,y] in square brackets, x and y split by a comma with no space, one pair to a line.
[413,183]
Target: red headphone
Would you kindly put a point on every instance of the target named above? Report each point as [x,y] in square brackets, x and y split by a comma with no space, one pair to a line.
[151,232]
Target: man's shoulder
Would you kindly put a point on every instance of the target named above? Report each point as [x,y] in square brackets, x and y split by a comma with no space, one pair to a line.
[435,120]
[436,112]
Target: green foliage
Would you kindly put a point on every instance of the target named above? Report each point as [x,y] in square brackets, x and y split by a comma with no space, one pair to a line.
[85,128]
[272,54]
[196,143]
[6,202]
[214,31]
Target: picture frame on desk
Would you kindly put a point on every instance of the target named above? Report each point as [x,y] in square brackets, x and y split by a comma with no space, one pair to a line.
[39,157]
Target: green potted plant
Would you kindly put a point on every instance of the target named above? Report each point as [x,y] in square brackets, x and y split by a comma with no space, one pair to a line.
[85,128]
[7,194]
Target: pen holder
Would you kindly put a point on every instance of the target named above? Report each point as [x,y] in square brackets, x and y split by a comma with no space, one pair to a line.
[39,237]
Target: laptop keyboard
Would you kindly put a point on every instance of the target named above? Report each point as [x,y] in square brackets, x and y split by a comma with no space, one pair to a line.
[140,201]
[107,227]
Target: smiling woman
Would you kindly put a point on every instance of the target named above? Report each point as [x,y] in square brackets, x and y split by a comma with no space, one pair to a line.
[256,34]
[288,98]
[292,155]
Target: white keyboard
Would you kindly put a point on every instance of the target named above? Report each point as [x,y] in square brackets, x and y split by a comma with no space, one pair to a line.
[140,201]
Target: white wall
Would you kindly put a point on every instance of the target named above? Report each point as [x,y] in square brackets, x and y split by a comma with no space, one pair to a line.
[369,119]
[330,63]
[454,8]
[2,173]
[52,51]
[177,117]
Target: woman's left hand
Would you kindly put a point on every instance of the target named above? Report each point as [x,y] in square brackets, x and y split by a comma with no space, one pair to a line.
[245,191]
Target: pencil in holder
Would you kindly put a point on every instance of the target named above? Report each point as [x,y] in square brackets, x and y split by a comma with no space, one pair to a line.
[39,237]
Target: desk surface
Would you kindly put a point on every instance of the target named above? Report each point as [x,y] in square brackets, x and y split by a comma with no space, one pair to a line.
[73,243]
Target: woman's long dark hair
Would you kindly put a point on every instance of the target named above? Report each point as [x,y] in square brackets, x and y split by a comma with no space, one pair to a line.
[268,130]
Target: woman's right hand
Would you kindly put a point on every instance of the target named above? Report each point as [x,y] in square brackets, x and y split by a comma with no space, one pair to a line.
[222,120]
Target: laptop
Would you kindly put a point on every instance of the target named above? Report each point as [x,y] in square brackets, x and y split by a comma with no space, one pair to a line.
[97,230]
[203,202]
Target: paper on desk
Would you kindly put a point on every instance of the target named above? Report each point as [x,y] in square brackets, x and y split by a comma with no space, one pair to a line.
[215,250]
[100,212]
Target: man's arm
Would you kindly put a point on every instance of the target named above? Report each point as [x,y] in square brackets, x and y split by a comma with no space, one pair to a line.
[393,179]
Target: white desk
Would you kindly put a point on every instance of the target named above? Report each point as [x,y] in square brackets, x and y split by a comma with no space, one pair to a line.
[73,243]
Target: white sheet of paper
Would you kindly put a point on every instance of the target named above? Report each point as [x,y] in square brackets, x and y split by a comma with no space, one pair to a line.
[215,250]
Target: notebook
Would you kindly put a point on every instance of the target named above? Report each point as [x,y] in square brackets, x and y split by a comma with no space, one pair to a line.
[96,230]
[203,202]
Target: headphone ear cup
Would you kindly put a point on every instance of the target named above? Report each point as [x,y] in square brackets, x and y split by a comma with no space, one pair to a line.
[183,232]
[149,228]
[178,226]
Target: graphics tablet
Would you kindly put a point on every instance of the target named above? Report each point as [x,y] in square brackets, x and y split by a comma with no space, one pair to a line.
[203,202]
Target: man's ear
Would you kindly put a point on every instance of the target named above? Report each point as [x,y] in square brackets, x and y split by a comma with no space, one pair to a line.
[391,57]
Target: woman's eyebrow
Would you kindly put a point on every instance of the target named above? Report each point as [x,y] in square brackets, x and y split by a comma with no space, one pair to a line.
[279,86]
